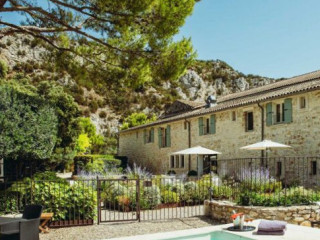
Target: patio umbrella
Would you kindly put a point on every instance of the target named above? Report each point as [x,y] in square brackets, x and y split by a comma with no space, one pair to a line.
[265,145]
[198,150]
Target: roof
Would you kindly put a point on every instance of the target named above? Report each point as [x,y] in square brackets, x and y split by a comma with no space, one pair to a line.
[193,104]
[302,83]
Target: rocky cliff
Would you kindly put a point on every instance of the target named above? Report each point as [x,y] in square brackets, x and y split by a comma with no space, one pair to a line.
[27,56]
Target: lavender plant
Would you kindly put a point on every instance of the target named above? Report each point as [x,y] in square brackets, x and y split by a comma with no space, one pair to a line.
[137,171]
[258,179]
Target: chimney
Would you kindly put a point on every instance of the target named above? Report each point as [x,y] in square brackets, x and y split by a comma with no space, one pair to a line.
[211,101]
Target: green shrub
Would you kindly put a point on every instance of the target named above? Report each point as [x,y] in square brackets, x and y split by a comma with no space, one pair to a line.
[9,202]
[262,187]
[170,197]
[290,196]
[93,106]
[95,163]
[102,114]
[58,196]
[3,69]
[150,197]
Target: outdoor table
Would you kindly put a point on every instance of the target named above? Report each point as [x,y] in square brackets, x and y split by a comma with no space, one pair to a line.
[45,218]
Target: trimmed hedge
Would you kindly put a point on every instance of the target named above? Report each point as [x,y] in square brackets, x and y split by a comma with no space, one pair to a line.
[95,163]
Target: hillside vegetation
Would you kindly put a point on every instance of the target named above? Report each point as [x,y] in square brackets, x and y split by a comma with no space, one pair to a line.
[109,103]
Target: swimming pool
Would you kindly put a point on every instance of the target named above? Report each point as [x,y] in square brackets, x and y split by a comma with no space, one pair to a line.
[216,235]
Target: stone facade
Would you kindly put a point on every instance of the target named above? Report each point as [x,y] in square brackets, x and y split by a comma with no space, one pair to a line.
[302,134]
[300,215]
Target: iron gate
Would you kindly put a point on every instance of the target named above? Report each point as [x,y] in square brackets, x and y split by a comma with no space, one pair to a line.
[151,199]
[115,198]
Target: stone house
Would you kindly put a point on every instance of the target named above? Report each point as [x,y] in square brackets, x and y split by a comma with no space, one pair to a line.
[287,111]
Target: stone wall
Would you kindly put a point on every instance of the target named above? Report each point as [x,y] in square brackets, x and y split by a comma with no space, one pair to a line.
[300,215]
[302,134]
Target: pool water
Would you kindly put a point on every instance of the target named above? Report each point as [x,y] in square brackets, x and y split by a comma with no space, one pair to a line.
[217,235]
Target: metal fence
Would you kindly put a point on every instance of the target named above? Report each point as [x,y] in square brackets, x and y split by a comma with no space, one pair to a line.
[248,181]
[270,181]
[151,198]
[72,202]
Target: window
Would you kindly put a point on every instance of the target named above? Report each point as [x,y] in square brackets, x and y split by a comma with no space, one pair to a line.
[233,116]
[149,135]
[182,161]
[249,121]
[164,138]
[303,102]
[177,161]
[279,169]
[206,128]
[279,113]
[171,161]
[314,168]
[207,125]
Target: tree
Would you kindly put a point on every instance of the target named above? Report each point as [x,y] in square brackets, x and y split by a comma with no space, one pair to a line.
[28,125]
[130,39]
[38,122]
[97,141]
[137,119]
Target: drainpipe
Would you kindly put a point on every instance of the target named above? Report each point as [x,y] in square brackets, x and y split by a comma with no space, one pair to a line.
[189,142]
[262,131]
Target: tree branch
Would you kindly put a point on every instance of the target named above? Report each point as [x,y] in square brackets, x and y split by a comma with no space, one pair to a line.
[2,3]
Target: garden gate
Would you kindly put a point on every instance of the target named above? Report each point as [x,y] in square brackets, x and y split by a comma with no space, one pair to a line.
[151,199]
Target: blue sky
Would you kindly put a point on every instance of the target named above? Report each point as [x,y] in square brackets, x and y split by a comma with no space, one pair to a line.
[274,38]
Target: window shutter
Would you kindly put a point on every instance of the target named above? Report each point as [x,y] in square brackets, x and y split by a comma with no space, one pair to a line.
[269,114]
[200,126]
[212,124]
[152,134]
[145,136]
[160,137]
[288,110]
[168,136]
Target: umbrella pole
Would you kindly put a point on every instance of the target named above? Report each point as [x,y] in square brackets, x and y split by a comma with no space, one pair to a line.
[198,164]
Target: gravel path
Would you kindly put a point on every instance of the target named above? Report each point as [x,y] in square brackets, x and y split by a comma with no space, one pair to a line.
[158,214]
[111,230]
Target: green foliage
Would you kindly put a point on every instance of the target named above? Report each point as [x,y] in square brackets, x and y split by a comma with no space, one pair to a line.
[151,197]
[170,197]
[137,119]
[28,123]
[3,69]
[39,122]
[83,143]
[290,196]
[96,163]
[98,143]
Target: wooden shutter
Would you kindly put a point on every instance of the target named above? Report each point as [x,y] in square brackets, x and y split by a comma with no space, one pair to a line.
[212,124]
[288,110]
[168,136]
[160,137]
[200,126]
[145,136]
[269,114]
[152,134]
